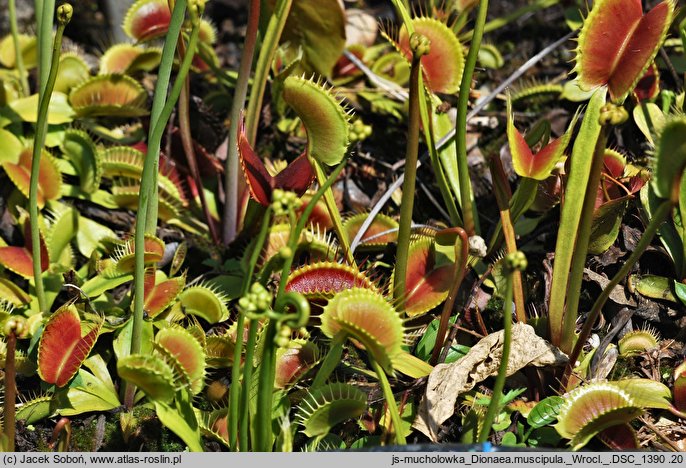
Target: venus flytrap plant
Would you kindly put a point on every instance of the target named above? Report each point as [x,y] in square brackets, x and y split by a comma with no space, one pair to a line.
[611,58]
[328,129]
[365,317]
[668,185]
[256,306]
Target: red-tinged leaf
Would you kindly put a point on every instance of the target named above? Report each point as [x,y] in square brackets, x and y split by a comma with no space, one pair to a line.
[125,255]
[614,163]
[636,183]
[292,362]
[109,96]
[641,49]
[619,437]
[260,182]
[617,43]
[325,279]
[62,349]
[527,164]
[20,259]
[648,87]
[679,390]
[444,63]
[426,285]
[296,177]
[187,354]
[147,19]
[320,217]
[382,231]
[160,296]
[49,177]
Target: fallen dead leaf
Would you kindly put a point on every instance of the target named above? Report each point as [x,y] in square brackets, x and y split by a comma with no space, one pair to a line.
[447,381]
[618,295]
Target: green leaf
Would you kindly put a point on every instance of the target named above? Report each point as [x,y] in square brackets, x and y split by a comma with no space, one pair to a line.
[59,110]
[545,411]
[322,115]
[10,147]
[649,119]
[510,440]
[181,420]
[607,220]
[329,405]
[412,366]
[85,394]
[81,151]
[99,284]
[581,161]
[122,342]
[318,28]
[544,437]
[90,236]
[680,290]
[670,157]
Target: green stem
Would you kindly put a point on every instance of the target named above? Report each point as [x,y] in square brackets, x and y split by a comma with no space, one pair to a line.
[333,212]
[235,392]
[441,181]
[271,41]
[64,15]
[265,392]
[461,258]
[45,12]
[10,391]
[159,127]
[408,190]
[659,217]
[390,401]
[146,218]
[240,92]
[248,370]
[576,274]
[189,151]
[332,359]
[263,431]
[502,196]
[494,406]
[295,234]
[18,56]
[469,213]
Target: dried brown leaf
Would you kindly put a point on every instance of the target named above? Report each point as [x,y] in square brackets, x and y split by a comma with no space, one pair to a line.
[448,381]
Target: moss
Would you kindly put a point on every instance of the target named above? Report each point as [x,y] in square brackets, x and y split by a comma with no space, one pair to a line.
[82,435]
